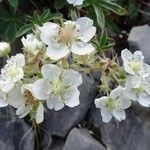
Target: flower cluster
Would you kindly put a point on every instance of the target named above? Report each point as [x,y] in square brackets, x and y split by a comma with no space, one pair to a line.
[136,88]
[42,73]
[46,74]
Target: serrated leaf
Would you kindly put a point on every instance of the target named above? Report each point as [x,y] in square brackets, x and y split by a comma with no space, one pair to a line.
[100,16]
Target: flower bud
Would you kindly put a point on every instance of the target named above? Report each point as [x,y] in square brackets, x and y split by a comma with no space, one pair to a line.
[4,49]
[32,44]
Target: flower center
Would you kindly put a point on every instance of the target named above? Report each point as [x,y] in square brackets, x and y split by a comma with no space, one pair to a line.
[139,90]
[10,71]
[111,104]
[67,34]
[135,65]
[59,88]
[29,99]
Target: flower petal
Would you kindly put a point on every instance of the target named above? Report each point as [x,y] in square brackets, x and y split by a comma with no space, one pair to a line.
[54,103]
[23,110]
[19,59]
[119,115]
[48,32]
[51,72]
[15,97]
[57,51]
[40,114]
[72,97]
[75,2]
[87,30]
[6,86]
[138,55]
[126,55]
[72,78]
[101,102]
[144,100]
[117,92]
[106,115]
[41,89]
[81,48]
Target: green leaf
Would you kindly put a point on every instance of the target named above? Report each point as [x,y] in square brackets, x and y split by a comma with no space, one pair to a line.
[24,29]
[59,4]
[100,16]
[4,15]
[13,3]
[103,38]
[11,32]
[108,46]
[113,7]
[4,27]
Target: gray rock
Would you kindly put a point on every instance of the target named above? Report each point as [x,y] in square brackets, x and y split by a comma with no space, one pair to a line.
[15,134]
[60,122]
[80,139]
[124,135]
[139,39]
[144,144]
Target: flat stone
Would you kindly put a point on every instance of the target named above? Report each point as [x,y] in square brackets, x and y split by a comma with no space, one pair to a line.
[124,135]
[15,134]
[139,39]
[80,139]
[61,122]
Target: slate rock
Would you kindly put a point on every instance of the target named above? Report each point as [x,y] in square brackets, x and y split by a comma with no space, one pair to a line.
[139,39]
[80,139]
[61,122]
[124,135]
[15,134]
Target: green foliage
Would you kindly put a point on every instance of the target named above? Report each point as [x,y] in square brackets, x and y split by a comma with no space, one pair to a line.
[104,42]
[13,3]
[37,19]
[100,16]
[10,21]
[132,9]
[15,23]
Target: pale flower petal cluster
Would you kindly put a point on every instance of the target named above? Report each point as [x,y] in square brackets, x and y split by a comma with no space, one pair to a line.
[70,37]
[58,87]
[133,63]
[4,49]
[31,44]
[138,89]
[12,72]
[21,98]
[137,84]
[75,2]
[113,105]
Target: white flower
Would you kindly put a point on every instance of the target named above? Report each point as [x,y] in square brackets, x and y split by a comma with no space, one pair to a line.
[58,87]
[138,89]
[32,44]
[113,105]
[12,72]
[21,97]
[4,49]
[75,2]
[133,63]
[71,37]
